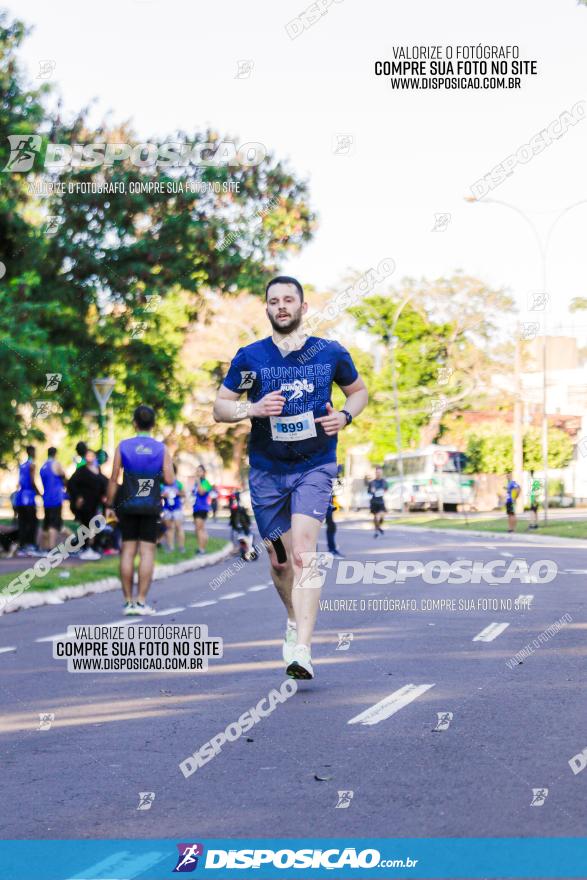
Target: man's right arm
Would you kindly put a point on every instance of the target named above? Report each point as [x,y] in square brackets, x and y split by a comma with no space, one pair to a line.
[228,408]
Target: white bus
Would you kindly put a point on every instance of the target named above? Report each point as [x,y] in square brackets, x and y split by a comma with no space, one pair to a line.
[433,479]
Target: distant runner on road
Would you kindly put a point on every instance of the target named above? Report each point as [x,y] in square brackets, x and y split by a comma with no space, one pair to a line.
[512,490]
[288,379]
[145,463]
[53,479]
[376,490]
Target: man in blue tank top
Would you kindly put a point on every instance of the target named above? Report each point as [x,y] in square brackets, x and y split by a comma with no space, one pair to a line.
[24,503]
[53,479]
[145,463]
[288,380]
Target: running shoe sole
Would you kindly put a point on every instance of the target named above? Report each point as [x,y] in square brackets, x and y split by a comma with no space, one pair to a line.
[294,670]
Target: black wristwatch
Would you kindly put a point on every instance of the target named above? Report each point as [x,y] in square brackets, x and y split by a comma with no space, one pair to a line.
[348,416]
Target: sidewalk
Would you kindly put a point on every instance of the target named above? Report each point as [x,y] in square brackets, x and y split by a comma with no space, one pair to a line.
[503,536]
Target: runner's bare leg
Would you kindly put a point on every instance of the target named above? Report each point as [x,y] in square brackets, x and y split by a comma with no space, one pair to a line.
[282,574]
[127,562]
[306,599]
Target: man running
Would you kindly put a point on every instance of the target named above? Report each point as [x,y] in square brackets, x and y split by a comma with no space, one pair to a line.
[535,488]
[26,510]
[144,462]
[172,516]
[53,479]
[201,509]
[292,448]
[376,490]
[512,490]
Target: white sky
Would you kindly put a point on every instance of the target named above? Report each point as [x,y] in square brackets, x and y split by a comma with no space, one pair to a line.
[172,65]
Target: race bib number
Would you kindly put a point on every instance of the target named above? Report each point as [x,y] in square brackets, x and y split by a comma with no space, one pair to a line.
[379,493]
[290,428]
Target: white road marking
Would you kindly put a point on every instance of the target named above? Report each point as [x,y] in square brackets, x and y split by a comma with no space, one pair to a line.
[166,611]
[391,704]
[6,650]
[203,604]
[490,632]
[575,570]
[59,636]
[258,588]
[505,553]
[231,596]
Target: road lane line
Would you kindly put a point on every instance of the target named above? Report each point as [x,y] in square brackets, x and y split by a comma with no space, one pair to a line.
[203,604]
[258,588]
[165,612]
[6,650]
[231,596]
[391,704]
[491,632]
[505,553]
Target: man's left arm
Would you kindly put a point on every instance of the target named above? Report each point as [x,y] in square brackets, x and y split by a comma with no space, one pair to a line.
[113,481]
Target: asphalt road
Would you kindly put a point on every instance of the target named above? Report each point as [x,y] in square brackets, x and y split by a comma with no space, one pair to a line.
[514,727]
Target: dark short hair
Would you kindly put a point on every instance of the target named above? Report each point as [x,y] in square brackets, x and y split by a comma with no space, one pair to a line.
[81,448]
[51,451]
[30,451]
[144,417]
[286,279]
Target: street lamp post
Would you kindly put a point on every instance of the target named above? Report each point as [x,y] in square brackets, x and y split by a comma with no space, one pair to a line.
[543,245]
[398,427]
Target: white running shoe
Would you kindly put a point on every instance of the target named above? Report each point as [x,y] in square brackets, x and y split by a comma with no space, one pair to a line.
[144,610]
[89,555]
[301,664]
[129,608]
[289,642]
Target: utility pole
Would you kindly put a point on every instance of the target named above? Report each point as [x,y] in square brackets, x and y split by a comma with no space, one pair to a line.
[518,439]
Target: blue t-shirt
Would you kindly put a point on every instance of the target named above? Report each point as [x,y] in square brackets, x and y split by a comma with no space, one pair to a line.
[53,491]
[305,379]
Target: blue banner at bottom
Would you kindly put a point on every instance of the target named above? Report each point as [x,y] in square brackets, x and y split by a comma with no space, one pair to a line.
[283,858]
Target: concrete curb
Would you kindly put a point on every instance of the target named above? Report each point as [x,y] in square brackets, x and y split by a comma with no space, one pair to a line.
[35,598]
[579,543]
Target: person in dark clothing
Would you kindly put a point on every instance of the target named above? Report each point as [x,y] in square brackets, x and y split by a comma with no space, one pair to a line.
[87,491]
[26,510]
